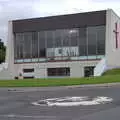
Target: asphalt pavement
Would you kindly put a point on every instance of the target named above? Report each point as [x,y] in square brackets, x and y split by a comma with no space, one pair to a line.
[16,104]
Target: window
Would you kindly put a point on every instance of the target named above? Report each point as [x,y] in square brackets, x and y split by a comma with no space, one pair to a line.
[58,71]
[89,71]
[62,44]
[66,38]
[60,51]
[18,46]
[50,44]
[101,40]
[28,70]
[28,77]
[92,41]
[49,38]
[27,45]
[82,42]
[96,40]
[42,50]
[58,38]
[74,36]
[34,44]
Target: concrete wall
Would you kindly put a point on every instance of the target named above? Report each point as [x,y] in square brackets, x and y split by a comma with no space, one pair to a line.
[112,53]
[76,67]
[10,50]
[5,74]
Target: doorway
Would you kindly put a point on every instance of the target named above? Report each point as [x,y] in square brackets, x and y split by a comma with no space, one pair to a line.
[89,71]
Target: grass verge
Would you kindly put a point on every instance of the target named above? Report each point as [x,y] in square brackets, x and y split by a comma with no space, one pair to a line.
[112,72]
[59,82]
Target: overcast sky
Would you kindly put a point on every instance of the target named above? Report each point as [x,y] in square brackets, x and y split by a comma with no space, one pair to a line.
[18,9]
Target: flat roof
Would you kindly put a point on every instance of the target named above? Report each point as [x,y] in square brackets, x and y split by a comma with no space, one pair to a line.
[60,22]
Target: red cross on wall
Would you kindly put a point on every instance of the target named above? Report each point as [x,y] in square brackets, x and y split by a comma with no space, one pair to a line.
[116,31]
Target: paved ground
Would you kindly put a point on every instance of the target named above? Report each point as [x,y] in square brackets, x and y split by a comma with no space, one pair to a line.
[15,104]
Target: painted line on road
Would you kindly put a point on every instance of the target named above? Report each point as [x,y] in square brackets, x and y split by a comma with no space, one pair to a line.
[73,101]
[26,116]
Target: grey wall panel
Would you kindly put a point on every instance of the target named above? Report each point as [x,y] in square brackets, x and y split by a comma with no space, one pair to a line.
[60,22]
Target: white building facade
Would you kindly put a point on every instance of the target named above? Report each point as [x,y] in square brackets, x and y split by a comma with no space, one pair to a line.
[77,45]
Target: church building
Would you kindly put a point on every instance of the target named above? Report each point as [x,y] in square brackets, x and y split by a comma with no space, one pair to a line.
[74,45]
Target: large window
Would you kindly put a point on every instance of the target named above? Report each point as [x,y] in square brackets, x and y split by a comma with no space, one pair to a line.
[74,37]
[58,43]
[58,38]
[65,43]
[50,44]
[18,46]
[27,45]
[91,41]
[41,44]
[82,42]
[58,72]
[100,40]
[62,44]
[34,44]
[66,38]
[50,39]
[96,40]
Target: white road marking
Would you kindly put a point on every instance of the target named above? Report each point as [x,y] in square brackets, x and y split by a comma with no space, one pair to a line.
[26,116]
[74,101]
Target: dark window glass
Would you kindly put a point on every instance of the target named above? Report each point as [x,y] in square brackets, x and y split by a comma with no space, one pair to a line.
[74,36]
[60,51]
[42,50]
[27,44]
[50,43]
[58,71]
[28,77]
[65,42]
[49,38]
[28,70]
[18,46]
[15,47]
[92,40]
[89,71]
[34,44]
[101,40]
[96,40]
[82,42]
[66,38]
[58,38]
[58,44]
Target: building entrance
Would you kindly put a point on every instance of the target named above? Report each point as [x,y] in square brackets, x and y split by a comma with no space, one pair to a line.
[88,71]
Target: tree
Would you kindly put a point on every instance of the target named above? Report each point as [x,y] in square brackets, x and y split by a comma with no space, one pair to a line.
[2,51]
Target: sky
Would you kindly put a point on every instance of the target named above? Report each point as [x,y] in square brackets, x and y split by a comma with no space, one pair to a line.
[20,9]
